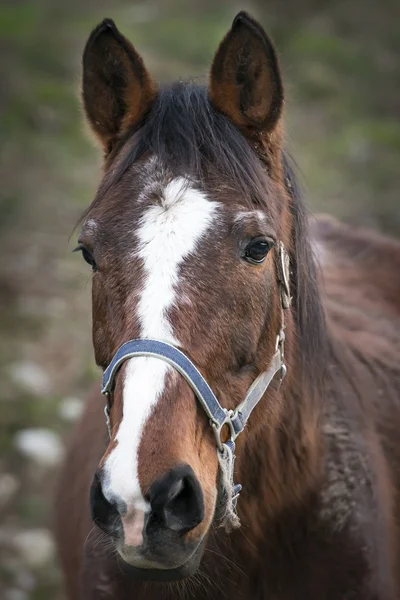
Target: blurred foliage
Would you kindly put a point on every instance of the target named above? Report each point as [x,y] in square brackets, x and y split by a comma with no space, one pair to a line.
[342,73]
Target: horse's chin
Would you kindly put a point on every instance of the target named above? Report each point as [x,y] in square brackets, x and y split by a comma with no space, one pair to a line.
[187,569]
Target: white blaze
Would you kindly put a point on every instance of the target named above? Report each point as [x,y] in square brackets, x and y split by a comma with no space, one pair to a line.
[168,233]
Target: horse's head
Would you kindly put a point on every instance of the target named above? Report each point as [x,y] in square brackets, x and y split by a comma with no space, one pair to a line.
[183,240]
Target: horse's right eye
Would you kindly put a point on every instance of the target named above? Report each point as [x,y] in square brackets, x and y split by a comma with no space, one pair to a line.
[87,256]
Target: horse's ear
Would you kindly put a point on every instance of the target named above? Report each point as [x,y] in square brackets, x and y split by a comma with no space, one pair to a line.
[117,90]
[245,82]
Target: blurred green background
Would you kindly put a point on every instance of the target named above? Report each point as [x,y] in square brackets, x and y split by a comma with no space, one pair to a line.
[342,71]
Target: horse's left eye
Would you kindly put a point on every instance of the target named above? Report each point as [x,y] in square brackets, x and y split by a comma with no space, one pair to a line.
[257,250]
[87,256]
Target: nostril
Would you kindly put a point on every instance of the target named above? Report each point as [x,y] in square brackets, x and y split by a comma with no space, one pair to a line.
[103,512]
[182,511]
[177,500]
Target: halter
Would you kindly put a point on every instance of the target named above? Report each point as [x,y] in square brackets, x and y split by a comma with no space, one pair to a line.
[219,417]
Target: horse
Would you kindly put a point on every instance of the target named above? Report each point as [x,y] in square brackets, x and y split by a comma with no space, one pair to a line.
[249,445]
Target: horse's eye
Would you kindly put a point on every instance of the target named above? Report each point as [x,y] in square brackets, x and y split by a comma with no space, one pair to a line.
[87,256]
[256,251]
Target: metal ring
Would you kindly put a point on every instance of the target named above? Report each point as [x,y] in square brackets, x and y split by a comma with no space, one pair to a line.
[217,428]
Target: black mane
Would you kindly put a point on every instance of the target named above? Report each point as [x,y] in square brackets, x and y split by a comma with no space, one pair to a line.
[187,134]
[309,313]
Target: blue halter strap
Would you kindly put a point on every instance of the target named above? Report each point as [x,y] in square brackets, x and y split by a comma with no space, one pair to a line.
[219,417]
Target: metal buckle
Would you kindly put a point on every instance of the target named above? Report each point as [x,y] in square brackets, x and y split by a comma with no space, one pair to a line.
[280,345]
[280,341]
[217,428]
[285,283]
[283,371]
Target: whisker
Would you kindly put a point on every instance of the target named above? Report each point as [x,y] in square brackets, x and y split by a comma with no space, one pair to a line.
[93,530]
[226,559]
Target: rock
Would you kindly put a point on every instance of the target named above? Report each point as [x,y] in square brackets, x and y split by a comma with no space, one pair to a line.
[32,377]
[35,547]
[8,486]
[71,409]
[41,445]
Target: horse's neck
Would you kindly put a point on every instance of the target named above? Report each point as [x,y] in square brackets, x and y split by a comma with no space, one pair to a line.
[280,462]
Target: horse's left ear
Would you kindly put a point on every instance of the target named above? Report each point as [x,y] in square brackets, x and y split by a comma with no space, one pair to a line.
[245,82]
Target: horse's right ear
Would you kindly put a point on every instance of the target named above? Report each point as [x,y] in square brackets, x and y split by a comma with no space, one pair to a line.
[117,90]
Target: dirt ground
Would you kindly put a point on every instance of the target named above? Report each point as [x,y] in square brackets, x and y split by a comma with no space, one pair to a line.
[340,62]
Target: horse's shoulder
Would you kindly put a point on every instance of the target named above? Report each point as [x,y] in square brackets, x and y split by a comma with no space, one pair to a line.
[344,242]
[359,267]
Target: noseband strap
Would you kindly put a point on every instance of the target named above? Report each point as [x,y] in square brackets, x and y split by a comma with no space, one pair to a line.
[219,417]
[175,358]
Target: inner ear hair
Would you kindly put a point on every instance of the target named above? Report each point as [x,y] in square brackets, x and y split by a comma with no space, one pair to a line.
[117,89]
[245,82]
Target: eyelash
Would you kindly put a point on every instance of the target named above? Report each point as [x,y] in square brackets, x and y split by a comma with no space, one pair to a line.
[87,256]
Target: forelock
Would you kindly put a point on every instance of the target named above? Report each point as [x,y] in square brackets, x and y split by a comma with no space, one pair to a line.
[189,138]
